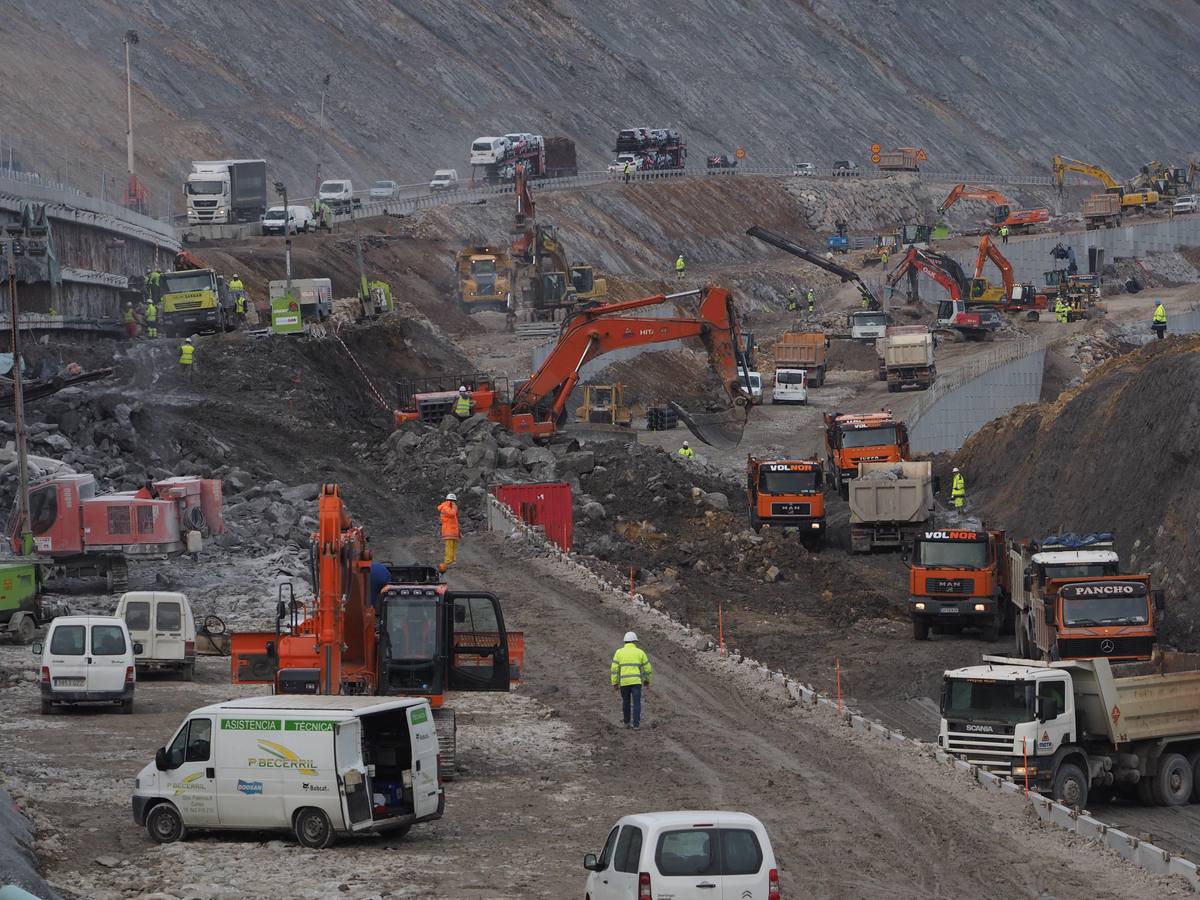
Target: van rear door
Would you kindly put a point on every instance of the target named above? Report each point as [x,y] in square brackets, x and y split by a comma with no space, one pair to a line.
[354,784]
[168,629]
[422,735]
[108,659]
[66,656]
[137,620]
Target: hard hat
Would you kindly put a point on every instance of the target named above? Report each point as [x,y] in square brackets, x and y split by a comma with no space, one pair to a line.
[462,388]
[235,274]
[130,303]
[631,637]
[188,341]
[685,443]
[956,468]
[452,496]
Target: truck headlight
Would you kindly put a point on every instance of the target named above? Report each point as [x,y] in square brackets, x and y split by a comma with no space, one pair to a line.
[980,607]
[816,524]
[919,605]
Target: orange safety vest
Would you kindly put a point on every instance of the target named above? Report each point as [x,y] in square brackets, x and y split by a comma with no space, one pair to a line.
[449,513]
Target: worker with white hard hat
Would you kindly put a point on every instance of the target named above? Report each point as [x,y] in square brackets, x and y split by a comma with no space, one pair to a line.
[448,510]
[629,673]
[463,404]
[686,452]
[958,489]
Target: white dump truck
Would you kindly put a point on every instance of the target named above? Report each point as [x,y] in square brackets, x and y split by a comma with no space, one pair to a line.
[890,503]
[907,359]
[1081,729]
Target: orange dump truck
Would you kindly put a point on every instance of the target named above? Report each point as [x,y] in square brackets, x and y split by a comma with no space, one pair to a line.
[959,579]
[786,493]
[803,350]
[851,439]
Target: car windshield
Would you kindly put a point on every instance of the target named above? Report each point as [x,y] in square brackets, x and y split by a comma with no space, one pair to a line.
[870,437]
[483,267]
[967,554]
[179,282]
[1108,610]
[332,187]
[871,319]
[789,481]
[384,185]
[789,377]
[1009,702]
[753,379]
[205,187]
[273,214]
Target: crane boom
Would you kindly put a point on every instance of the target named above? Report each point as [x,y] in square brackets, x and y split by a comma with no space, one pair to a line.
[788,246]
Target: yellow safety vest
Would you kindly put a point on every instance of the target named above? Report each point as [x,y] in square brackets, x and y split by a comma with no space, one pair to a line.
[462,406]
[679,264]
[1160,315]
[154,277]
[151,312]
[630,665]
[240,303]
[958,487]
[687,452]
[186,352]
[128,317]
[236,285]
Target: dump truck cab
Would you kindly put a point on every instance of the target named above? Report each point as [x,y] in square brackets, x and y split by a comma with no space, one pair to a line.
[195,301]
[484,278]
[786,493]
[852,439]
[958,579]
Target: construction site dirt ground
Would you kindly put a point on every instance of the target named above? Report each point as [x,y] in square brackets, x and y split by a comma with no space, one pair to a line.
[549,770]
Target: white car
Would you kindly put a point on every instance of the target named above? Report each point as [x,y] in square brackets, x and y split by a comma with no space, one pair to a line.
[636,163]
[299,218]
[444,180]
[384,190]
[791,386]
[1186,204]
[702,855]
[487,151]
[804,170]
[87,659]
[339,195]
[162,625]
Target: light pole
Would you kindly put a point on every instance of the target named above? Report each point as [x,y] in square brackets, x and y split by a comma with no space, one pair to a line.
[10,247]
[131,37]
[321,131]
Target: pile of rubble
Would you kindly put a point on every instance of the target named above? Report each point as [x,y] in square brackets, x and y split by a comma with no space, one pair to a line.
[863,203]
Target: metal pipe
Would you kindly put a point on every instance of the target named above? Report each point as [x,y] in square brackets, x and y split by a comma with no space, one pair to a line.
[18,405]
[131,37]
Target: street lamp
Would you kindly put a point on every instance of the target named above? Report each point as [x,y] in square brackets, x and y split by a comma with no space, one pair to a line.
[321,130]
[131,37]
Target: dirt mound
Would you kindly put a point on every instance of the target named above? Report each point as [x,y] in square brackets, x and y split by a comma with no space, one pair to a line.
[1118,453]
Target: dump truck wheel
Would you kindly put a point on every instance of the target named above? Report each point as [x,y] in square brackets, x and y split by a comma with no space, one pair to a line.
[25,631]
[1071,787]
[1173,780]
[1145,791]
[1194,761]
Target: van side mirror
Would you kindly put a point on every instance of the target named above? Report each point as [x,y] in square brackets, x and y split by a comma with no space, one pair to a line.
[163,760]
[590,863]
[36,647]
[1050,709]
[1160,600]
[138,648]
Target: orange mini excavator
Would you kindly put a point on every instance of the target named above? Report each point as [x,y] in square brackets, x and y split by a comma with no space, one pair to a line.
[380,629]
[538,407]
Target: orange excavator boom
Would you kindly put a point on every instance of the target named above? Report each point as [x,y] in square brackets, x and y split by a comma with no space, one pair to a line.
[973,192]
[988,250]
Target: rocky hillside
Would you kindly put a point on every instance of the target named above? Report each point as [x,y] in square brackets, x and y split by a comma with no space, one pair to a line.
[1000,89]
[1116,454]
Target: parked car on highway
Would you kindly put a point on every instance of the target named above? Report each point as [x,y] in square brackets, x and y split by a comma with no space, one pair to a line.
[161,624]
[804,169]
[299,218]
[722,161]
[444,180]
[1187,204]
[636,163]
[686,856]
[384,190]
[843,168]
[87,659]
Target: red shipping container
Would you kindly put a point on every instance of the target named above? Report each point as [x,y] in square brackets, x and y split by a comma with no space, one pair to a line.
[547,505]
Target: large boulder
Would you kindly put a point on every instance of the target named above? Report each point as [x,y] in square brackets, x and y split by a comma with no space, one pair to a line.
[580,462]
[508,457]
[302,493]
[482,456]
[716,500]
[537,457]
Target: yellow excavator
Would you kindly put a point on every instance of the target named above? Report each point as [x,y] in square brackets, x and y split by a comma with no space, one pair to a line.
[1129,198]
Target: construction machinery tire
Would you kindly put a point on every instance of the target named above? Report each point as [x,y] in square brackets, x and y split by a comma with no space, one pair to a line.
[1146,793]
[1070,786]
[447,734]
[1194,760]
[920,629]
[1173,780]
[24,631]
[117,576]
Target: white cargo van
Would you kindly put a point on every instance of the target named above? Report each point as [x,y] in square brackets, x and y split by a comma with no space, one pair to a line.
[791,386]
[752,383]
[87,659]
[339,195]
[684,855]
[317,766]
[487,151]
[162,623]
[444,180]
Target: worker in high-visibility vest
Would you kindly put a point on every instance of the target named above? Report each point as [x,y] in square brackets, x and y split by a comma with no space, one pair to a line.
[463,404]
[1160,320]
[451,533]
[958,489]
[151,316]
[1004,234]
[130,320]
[187,357]
[812,300]
[629,673]
[792,303]
[686,452]
[679,267]
[238,289]
[883,257]
[1062,311]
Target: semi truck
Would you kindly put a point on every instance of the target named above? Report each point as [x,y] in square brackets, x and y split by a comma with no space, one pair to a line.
[226,191]
[959,579]
[908,361]
[1080,730]
[851,439]
[867,324]
[560,158]
[1071,602]
[805,350]
[787,493]
[195,301]
[890,504]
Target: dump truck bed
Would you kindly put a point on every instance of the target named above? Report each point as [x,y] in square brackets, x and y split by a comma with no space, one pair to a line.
[875,496]
[908,350]
[1139,701]
[800,349]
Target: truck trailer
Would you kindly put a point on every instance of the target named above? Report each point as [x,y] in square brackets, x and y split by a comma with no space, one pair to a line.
[805,350]
[890,503]
[226,191]
[1083,729]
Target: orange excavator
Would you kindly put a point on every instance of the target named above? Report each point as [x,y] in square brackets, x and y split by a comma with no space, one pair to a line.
[1014,297]
[1017,220]
[953,315]
[538,407]
[379,629]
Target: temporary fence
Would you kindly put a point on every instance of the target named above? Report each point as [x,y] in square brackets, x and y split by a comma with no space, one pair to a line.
[546,506]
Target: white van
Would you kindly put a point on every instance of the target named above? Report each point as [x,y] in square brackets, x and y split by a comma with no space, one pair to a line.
[752,382]
[317,766]
[444,180]
[685,856]
[791,386]
[87,659]
[299,218]
[1185,204]
[161,622]
[486,151]
[339,195]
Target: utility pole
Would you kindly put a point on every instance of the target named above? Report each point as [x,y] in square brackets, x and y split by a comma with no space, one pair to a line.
[131,37]
[321,132]
[18,399]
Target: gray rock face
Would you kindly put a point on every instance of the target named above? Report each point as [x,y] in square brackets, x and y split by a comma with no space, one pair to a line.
[538,456]
[716,500]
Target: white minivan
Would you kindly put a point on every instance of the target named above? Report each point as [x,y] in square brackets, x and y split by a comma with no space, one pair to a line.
[487,151]
[791,386]
[685,856]
[87,659]
[317,766]
[752,383]
[299,218]
[339,195]
[161,622]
